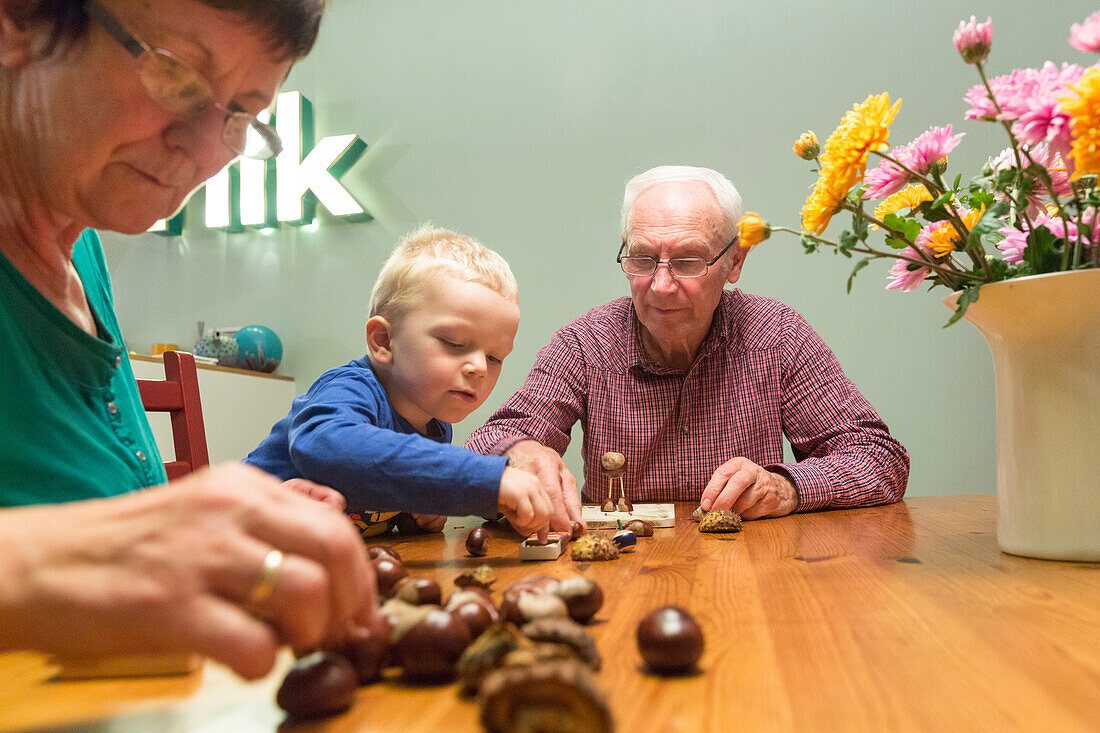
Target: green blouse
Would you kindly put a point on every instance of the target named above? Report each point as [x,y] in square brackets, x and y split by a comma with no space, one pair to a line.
[71,421]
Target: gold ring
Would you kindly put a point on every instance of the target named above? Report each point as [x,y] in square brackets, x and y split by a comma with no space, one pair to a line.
[269,575]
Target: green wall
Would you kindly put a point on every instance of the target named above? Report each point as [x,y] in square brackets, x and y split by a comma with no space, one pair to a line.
[518,123]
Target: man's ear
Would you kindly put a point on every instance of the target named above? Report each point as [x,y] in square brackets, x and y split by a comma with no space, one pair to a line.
[379,332]
[16,42]
[737,261]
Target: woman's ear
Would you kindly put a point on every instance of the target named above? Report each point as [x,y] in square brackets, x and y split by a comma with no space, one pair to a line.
[16,41]
[379,331]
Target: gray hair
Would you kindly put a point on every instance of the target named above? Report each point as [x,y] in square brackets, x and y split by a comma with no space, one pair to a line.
[729,201]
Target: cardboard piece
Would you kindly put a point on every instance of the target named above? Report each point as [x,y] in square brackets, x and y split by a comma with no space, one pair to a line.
[659,515]
[136,665]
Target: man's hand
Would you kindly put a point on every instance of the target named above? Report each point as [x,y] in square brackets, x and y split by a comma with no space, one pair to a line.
[324,494]
[430,522]
[746,488]
[556,480]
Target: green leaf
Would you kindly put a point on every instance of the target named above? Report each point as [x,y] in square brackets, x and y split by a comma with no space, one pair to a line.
[958,180]
[969,295]
[847,241]
[1040,254]
[990,223]
[809,246]
[909,228]
[859,266]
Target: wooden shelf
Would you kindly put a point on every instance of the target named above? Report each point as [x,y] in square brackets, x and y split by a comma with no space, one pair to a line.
[214,368]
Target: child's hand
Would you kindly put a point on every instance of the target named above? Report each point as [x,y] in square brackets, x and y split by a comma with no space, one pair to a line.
[324,494]
[524,502]
[430,522]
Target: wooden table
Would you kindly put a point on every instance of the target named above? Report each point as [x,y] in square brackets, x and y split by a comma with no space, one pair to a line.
[904,617]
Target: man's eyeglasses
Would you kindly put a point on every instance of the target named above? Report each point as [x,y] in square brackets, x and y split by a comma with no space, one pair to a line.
[677,267]
[180,89]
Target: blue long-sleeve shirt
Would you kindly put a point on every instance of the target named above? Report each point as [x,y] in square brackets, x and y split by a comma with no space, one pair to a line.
[344,433]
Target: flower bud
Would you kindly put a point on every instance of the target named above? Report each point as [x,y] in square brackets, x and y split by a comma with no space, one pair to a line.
[973,40]
[752,230]
[807,147]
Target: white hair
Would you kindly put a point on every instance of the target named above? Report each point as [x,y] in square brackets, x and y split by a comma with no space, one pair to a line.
[729,201]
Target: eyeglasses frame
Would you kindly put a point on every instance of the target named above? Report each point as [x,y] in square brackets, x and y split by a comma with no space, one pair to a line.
[136,48]
[710,263]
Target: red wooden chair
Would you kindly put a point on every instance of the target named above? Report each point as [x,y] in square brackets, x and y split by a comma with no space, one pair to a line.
[179,395]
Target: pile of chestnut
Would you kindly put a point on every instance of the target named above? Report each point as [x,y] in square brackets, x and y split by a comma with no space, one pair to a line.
[423,636]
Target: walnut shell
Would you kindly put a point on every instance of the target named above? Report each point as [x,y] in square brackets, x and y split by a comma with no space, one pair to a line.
[480,577]
[552,697]
[593,547]
[720,520]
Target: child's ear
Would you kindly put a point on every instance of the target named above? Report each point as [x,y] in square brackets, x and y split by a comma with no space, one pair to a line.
[378,340]
[16,42]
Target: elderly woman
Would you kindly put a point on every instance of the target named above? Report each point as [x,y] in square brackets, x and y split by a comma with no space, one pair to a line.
[111,113]
[697,385]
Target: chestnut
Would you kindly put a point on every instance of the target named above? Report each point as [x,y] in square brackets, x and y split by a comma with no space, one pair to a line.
[320,684]
[475,615]
[639,527]
[418,591]
[429,650]
[608,506]
[388,571]
[582,596]
[625,505]
[529,605]
[368,650]
[577,530]
[382,550]
[477,542]
[670,640]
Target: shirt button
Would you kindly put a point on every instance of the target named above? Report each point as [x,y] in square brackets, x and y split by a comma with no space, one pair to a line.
[141,456]
[118,362]
[112,407]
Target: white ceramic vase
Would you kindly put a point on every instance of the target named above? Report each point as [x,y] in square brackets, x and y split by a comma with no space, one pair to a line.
[1044,332]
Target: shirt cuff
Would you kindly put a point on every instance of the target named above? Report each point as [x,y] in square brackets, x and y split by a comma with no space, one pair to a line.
[505,444]
[814,488]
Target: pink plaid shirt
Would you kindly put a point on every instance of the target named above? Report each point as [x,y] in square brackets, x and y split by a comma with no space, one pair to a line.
[761,373]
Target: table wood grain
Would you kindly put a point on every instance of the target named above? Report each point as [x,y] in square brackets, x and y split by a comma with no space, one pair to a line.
[903,617]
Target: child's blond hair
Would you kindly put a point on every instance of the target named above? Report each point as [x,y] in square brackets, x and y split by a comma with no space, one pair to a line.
[428,252]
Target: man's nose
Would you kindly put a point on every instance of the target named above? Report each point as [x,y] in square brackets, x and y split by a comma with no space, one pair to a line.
[663,279]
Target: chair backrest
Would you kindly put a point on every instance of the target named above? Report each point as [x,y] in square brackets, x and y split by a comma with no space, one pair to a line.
[178,394]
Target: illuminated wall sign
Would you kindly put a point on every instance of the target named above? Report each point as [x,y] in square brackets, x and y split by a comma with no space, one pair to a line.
[287,189]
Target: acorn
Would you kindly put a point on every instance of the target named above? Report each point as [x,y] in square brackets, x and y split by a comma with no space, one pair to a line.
[670,640]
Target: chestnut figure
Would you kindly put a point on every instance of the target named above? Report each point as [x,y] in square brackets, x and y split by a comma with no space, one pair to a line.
[418,591]
[388,572]
[318,685]
[477,542]
[429,650]
[582,596]
[670,640]
[382,550]
[368,650]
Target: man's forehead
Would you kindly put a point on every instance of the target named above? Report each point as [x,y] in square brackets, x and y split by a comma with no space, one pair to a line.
[676,206]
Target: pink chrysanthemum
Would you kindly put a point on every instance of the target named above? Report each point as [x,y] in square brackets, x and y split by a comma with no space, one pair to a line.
[1029,98]
[919,156]
[902,277]
[1056,168]
[1086,36]
[973,40]
[1015,241]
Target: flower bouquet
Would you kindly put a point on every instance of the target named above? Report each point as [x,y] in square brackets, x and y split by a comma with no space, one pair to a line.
[1031,210]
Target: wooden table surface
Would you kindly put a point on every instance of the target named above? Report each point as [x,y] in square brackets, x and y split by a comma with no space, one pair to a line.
[903,617]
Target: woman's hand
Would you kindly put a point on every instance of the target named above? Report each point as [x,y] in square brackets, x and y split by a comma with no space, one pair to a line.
[181,569]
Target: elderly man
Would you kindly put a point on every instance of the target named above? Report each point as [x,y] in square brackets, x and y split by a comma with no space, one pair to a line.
[697,385]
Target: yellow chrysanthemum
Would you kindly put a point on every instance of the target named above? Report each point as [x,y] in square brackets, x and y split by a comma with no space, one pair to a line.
[909,197]
[1083,106]
[823,202]
[943,235]
[865,127]
[752,230]
[807,147]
